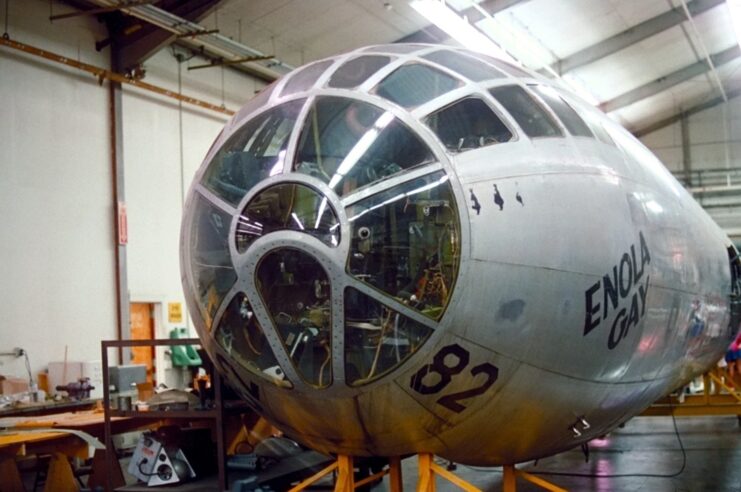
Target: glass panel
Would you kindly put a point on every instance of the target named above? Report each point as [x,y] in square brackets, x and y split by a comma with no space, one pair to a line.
[465,65]
[468,124]
[253,153]
[349,144]
[354,72]
[296,292]
[396,48]
[377,339]
[503,65]
[414,84]
[241,336]
[287,206]
[570,119]
[405,241]
[533,119]
[210,263]
[304,78]
[258,100]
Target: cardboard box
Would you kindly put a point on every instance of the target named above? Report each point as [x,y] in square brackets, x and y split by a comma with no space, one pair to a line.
[11,385]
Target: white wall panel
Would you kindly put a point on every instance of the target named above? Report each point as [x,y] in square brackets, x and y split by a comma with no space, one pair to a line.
[56,252]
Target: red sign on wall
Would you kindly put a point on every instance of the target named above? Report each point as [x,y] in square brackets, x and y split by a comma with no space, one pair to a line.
[123,226]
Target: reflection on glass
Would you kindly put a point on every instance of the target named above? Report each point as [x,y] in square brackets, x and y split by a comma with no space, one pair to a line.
[349,144]
[253,153]
[397,48]
[210,263]
[465,65]
[414,84]
[296,291]
[468,124]
[405,241]
[241,336]
[377,339]
[570,119]
[503,65]
[354,72]
[304,78]
[533,119]
[287,206]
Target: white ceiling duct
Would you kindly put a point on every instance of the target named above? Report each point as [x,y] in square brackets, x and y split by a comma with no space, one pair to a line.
[222,45]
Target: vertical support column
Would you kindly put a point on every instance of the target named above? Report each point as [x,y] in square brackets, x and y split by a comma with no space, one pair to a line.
[426,475]
[345,474]
[395,483]
[123,330]
[510,476]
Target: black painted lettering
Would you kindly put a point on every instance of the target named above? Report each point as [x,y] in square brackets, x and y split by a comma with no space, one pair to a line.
[590,323]
[625,289]
[612,342]
[610,286]
[645,255]
[643,290]
[637,274]
[633,317]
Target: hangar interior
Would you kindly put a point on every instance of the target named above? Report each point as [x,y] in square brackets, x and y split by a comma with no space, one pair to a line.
[108,108]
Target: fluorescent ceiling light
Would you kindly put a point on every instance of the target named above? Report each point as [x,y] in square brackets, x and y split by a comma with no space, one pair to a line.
[457,28]
[735,7]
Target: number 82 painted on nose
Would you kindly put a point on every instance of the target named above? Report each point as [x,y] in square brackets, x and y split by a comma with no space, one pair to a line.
[446,372]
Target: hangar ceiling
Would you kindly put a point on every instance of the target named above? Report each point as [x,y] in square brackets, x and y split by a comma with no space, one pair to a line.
[644,61]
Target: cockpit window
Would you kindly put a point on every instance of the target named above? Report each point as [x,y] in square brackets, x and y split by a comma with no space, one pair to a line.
[465,65]
[414,84]
[287,206]
[305,78]
[503,66]
[354,72]
[349,144]
[377,338]
[468,124]
[296,291]
[405,241]
[533,119]
[241,336]
[570,119]
[253,153]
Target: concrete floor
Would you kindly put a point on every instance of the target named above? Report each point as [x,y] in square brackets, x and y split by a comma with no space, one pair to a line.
[647,445]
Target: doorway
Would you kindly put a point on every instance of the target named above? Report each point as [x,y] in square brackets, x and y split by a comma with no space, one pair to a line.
[142,328]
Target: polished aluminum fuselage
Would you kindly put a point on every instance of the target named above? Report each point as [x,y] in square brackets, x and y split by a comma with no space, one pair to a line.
[590,281]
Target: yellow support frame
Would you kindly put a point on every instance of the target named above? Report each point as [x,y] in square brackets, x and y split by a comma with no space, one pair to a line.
[345,481]
[428,469]
[708,403]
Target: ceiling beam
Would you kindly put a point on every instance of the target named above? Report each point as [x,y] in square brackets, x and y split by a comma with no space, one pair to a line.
[670,80]
[433,34]
[637,33]
[133,49]
[731,92]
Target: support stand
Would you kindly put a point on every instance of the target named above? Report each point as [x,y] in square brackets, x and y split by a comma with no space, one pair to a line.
[510,476]
[345,481]
[428,469]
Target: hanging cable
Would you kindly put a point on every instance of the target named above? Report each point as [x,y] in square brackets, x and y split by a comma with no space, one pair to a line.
[5,31]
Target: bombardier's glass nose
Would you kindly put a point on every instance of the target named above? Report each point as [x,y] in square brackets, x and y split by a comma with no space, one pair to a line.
[356,304]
